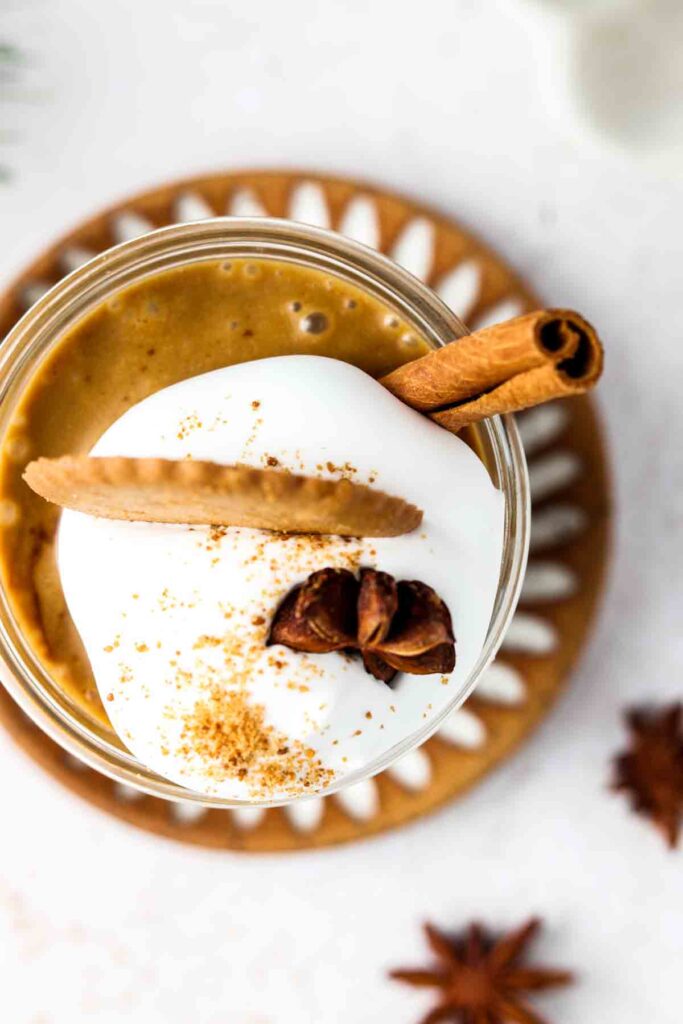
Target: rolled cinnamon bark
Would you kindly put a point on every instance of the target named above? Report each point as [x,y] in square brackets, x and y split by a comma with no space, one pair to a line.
[479,362]
[534,387]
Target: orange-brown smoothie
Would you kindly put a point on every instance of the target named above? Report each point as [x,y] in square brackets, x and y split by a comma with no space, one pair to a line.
[161,330]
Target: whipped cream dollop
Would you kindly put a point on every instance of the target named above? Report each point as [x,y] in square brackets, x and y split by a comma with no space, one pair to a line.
[174,619]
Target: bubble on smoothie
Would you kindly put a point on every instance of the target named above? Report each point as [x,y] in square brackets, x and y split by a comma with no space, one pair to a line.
[350,304]
[392,321]
[18,448]
[314,323]
[20,421]
[295,306]
[9,512]
[408,340]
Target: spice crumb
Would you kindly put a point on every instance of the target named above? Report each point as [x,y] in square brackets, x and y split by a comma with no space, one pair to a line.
[229,735]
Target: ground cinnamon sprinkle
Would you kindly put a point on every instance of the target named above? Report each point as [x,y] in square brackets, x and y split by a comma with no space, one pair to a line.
[345,470]
[225,735]
[230,736]
[303,550]
[187,425]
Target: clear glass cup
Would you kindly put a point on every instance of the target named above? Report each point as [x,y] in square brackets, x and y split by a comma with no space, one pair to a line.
[496,440]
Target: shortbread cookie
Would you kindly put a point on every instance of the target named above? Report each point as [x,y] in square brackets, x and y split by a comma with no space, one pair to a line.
[194,492]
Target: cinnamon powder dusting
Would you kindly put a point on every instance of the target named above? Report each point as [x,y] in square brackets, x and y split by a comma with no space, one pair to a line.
[230,736]
[224,734]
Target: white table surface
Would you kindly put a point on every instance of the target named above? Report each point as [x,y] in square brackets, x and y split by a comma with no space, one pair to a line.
[100,922]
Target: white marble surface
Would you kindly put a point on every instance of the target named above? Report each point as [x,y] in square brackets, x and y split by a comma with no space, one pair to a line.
[98,921]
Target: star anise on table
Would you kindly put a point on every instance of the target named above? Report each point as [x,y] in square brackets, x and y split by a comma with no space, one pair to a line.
[399,626]
[651,771]
[480,978]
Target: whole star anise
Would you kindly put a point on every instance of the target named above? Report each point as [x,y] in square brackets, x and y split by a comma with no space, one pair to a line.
[652,770]
[480,978]
[399,626]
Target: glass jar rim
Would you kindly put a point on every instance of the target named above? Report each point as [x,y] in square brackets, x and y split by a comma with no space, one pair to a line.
[258,237]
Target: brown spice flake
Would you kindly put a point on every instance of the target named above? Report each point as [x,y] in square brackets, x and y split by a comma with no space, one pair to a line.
[187,425]
[207,641]
[345,470]
[216,534]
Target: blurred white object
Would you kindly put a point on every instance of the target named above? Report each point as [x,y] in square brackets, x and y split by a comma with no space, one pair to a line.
[616,69]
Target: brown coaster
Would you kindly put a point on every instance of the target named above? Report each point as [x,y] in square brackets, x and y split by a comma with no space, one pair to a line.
[570,522]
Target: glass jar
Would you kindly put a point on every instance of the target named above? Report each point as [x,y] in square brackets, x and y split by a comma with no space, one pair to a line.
[496,440]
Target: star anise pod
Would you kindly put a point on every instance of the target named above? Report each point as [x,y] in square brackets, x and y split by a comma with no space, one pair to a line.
[480,979]
[399,626]
[652,770]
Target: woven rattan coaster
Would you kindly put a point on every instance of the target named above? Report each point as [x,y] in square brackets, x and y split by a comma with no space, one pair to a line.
[570,519]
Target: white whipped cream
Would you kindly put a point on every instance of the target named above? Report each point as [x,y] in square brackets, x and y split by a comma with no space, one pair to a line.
[167,613]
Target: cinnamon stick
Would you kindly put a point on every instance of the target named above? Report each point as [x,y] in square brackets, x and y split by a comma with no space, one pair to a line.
[521,392]
[480,361]
[510,366]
